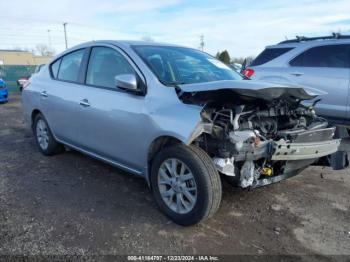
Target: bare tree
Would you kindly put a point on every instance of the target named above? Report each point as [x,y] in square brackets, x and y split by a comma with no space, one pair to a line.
[44,50]
[240,60]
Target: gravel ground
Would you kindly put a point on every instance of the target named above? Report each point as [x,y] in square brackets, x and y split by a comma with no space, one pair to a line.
[72,204]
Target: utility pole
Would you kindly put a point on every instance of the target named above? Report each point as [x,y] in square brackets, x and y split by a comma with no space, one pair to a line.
[201,43]
[48,33]
[65,34]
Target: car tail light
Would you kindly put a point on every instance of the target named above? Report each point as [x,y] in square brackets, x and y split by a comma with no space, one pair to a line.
[248,72]
[25,84]
[22,79]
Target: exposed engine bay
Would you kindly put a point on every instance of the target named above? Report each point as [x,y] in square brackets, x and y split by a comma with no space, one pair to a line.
[255,141]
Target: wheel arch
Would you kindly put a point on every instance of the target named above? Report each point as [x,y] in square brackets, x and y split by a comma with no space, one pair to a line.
[157,145]
[35,112]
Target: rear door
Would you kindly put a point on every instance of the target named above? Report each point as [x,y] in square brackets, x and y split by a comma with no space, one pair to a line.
[59,98]
[325,68]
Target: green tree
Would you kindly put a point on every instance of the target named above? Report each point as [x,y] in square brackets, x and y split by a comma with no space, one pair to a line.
[224,56]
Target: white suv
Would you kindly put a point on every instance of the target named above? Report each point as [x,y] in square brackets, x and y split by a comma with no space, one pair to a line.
[319,62]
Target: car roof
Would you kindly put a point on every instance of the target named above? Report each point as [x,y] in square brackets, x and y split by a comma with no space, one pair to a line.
[118,43]
[125,43]
[310,43]
[297,47]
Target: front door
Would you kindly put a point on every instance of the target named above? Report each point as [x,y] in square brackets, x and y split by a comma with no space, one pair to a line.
[110,119]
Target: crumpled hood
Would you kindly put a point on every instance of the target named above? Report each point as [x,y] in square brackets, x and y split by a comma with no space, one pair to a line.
[252,89]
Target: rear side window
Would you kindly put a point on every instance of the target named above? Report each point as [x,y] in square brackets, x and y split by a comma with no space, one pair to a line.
[54,68]
[323,56]
[70,66]
[268,54]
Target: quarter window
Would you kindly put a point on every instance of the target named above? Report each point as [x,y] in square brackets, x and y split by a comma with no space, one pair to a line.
[269,54]
[104,65]
[70,66]
[323,56]
[54,68]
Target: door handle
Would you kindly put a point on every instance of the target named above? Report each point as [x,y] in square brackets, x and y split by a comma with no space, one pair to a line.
[84,103]
[297,74]
[43,94]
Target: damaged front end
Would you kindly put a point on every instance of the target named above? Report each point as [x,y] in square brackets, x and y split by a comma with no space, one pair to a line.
[259,136]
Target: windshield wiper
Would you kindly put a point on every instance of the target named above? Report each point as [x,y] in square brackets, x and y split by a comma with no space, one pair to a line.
[175,84]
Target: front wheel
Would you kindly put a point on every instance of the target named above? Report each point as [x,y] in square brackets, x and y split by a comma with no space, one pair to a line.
[185,184]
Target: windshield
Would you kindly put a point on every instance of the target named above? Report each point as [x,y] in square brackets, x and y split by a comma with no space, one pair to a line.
[179,65]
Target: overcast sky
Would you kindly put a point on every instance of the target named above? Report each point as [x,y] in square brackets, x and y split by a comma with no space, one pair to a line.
[242,27]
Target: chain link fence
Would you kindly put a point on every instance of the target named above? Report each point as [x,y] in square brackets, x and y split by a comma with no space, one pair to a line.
[11,73]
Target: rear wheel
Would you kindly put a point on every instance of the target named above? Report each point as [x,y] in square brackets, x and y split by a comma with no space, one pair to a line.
[45,141]
[185,184]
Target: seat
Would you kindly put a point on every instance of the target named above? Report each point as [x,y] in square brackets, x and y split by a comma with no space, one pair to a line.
[110,67]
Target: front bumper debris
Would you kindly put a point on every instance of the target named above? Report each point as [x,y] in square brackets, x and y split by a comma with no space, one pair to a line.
[300,151]
[271,180]
[297,151]
[310,144]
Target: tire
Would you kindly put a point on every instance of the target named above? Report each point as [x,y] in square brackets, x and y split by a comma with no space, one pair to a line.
[41,130]
[205,179]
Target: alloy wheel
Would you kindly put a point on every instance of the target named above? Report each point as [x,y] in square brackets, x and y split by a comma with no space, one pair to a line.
[42,134]
[177,186]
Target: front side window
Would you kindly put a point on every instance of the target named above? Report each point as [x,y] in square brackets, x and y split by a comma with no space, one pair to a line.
[104,65]
[70,66]
[180,65]
[323,56]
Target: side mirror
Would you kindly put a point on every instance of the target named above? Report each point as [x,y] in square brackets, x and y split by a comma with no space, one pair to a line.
[126,82]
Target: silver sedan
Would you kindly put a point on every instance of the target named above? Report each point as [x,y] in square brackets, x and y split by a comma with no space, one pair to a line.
[176,116]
